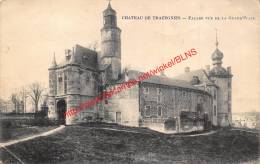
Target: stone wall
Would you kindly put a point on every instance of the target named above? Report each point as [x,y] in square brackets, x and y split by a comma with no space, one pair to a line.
[172,101]
[224,115]
[123,108]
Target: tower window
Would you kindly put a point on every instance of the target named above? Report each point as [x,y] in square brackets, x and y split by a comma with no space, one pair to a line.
[215,110]
[159,111]
[229,95]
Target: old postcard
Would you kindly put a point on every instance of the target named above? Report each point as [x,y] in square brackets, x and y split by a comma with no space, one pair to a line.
[129,81]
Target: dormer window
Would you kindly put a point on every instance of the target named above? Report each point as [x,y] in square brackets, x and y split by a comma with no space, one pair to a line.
[85,58]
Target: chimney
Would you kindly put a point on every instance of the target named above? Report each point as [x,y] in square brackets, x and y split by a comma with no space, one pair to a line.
[67,54]
[187,69]
[207,68]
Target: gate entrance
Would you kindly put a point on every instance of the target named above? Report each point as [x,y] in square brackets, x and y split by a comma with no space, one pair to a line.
[61,109]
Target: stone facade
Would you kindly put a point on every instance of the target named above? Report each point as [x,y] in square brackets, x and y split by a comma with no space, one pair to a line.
[71,83]
[152,102]
[192,100]
[84,71]
[123,108]
[163,102]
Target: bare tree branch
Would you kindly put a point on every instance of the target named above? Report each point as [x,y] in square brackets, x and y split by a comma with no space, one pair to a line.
[35,92]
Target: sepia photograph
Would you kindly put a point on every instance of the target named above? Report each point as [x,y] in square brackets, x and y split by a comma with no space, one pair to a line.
[129,81]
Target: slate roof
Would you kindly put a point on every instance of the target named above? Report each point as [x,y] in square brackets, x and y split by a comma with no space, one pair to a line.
[200,73]
[83,57]
[163,80]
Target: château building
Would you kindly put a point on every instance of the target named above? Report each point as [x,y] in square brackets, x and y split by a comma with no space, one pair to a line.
[193,100]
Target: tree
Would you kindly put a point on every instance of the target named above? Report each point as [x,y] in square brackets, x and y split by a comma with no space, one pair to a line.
[35,92]
[23,94]
[2,106]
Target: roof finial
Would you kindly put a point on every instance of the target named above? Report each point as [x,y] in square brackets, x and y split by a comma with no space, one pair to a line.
[54,60]
[109,3]
[216,37]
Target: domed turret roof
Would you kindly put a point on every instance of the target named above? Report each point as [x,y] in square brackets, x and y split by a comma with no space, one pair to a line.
[109,11]
[217,55]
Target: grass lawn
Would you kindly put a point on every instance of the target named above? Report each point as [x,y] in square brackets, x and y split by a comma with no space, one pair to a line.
[21,132]
[88,144]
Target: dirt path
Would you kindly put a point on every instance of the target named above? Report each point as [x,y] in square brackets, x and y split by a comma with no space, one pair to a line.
[243,130]
[132,131]
[4,144]
[201,134]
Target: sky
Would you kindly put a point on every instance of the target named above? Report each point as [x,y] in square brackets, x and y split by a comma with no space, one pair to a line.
[31,31]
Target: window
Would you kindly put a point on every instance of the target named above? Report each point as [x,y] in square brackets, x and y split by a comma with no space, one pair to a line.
[106,115]
[60,79]
[106,101]
[229,95]
[146,90]
[159,111]
[159,99]
[229,106]
[183,93]
[159,91]
[147,110]
[229,84]
[215,94]
[215,110]
[65,84]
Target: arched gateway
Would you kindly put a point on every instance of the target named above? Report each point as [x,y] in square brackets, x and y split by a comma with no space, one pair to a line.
[61,109]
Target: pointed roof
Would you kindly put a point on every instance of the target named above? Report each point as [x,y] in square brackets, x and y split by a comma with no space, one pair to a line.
[217,57]
[82,57]
[54,63]
[109,10]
